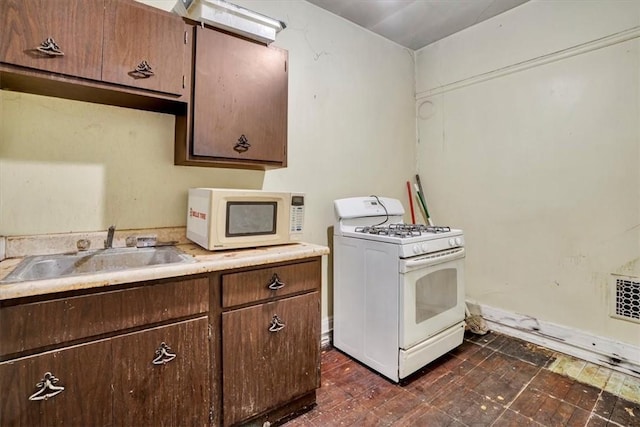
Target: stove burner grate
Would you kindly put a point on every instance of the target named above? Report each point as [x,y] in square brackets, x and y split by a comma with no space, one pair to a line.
[402,230]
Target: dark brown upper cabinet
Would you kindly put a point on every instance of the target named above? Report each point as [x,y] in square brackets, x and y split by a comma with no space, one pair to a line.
[228,94]
[58,36]
[143,47]
[239,102]
[121,42]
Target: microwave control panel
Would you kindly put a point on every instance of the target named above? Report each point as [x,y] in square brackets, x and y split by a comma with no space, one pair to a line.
[297,213]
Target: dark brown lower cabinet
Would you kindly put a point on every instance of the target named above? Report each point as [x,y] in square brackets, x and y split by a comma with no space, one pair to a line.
[270,355]
[153,377]
[225,348]
[132,355]
[162,377]
[85,372]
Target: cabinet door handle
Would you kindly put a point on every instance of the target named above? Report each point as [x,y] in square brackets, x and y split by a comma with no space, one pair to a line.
[142,71]
[275,283]
[276,324]
[163,355]
[242,145]
[47,388]
[50,48]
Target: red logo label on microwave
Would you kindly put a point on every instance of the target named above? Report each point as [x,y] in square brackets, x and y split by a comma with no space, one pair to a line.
[196,214]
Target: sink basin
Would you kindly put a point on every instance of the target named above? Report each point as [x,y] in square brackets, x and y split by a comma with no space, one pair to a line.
[106,260]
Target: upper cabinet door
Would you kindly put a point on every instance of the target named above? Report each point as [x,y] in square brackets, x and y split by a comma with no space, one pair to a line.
[240,99]
[58,36]
[144,47]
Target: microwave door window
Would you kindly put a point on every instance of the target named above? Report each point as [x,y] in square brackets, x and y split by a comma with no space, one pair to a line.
[251,218]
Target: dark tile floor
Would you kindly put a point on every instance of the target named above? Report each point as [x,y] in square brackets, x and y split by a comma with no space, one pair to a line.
[492,380]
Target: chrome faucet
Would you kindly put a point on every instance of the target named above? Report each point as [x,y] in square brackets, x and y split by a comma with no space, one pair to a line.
[108,244]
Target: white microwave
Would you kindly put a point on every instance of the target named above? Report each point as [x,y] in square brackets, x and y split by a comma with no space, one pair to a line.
[219,219]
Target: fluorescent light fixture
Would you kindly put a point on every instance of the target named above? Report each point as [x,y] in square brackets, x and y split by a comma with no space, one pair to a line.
[232,18]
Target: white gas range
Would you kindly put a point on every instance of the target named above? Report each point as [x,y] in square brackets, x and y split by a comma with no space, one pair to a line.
[398,290]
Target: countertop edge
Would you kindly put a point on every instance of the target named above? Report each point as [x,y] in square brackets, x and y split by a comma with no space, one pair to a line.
[206,262]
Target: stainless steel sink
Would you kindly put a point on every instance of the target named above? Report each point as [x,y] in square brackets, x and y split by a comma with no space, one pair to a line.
[105,260]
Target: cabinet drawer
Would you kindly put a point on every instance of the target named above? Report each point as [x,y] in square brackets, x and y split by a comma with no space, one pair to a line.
[271,282]
[52,322]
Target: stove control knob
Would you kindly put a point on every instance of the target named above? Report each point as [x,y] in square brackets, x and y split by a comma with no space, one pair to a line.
[452,242]
[416,249]
[458,241]
[425,248]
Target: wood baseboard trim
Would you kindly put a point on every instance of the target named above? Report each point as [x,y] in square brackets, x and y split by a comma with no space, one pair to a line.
[618,356]
[326,337]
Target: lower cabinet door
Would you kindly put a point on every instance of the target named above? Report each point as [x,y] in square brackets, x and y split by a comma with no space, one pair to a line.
[270,355]
[70,386]
[163,376]
[155,377]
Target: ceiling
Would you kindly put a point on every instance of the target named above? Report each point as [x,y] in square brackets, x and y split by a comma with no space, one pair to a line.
[416,23]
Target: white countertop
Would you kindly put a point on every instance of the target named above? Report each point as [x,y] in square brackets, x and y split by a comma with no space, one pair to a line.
[206,262]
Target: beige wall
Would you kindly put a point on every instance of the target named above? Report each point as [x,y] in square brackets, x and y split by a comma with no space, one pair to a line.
[73,166]
[537,161]
[529,140]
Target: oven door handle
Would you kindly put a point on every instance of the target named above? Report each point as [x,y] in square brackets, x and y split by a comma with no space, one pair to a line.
[432,259]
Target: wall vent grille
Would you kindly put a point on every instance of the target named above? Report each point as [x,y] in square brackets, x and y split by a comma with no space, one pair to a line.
[626,299]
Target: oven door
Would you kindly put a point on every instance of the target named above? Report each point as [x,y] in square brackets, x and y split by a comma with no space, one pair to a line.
[431,295]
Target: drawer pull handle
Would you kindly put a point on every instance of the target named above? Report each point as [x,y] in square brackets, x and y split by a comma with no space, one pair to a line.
[242,145]
[275,283]
[276,324]
[143,71]
[47,388]
[50,48]
[163,355]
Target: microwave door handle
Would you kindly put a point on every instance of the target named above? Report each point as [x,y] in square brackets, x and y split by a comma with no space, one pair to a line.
[433,259]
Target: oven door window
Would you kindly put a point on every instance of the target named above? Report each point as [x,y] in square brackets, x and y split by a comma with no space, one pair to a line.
[436,293]
[432,300]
